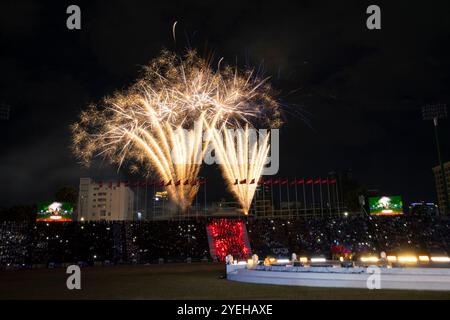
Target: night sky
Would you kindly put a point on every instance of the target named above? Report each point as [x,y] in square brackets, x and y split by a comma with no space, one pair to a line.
[361,90]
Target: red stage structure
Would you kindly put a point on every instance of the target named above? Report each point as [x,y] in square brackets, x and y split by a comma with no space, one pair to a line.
[228,236]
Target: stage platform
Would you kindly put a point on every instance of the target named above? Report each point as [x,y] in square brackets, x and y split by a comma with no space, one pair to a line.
[337,277]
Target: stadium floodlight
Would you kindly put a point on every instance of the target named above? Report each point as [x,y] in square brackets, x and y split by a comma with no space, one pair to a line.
[407,259]
[369,259]
[4,112]
[281,261]
[391,258]
[440,259]
[303,259]
[435,112]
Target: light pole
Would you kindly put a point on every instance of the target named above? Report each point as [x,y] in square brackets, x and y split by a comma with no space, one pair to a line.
[435,112]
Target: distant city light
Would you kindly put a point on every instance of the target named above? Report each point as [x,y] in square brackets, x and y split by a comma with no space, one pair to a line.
[391,258]
[369,259]
[407,259]
[440,259]
[282,260]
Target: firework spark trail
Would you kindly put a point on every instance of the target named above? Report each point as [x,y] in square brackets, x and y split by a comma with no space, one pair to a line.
[183,88]
[146,125]
[241,159]
[174,153]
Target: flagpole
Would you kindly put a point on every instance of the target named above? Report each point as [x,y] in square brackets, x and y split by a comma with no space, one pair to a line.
[329,200]
[137,199]
[271,195]
[288,199]
[321,197]
[181,185]
[196,203]
[337,198]
[279,191]
[304,196]
[296,198]
[204,188]
[163,203]
[263,196]
[146,196]
[314,199]
[154,202]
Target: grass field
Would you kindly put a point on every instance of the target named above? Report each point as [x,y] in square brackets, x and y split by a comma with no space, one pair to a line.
[172,281]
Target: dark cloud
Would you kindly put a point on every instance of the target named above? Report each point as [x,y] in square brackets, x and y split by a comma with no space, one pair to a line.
[361,90]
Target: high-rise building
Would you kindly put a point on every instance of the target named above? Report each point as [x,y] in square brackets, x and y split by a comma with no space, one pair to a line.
[104,201]
[440,186]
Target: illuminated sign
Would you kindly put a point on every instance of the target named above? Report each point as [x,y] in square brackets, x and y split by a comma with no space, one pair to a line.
[54,212]
[386,205]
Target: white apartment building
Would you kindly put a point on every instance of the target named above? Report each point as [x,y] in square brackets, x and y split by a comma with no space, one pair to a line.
[104,201]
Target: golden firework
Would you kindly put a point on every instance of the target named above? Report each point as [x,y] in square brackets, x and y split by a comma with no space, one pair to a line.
[242,161]
[159,123]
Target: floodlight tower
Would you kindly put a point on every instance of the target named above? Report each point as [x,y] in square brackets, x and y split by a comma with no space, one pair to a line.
[435,112]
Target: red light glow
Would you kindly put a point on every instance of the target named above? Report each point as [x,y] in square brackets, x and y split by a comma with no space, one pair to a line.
[229,237]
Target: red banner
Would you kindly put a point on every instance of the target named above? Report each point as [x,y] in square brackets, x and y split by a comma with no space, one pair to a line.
[178,183]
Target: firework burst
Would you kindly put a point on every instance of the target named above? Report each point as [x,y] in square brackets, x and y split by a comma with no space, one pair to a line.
[242,161]
[158,124]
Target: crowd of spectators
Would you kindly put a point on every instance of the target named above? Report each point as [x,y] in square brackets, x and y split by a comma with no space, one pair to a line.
[14,240]
[361,234]
[51,244]
[171,240]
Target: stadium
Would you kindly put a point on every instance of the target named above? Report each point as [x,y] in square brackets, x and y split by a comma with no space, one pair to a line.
[183,249]
[221,151]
